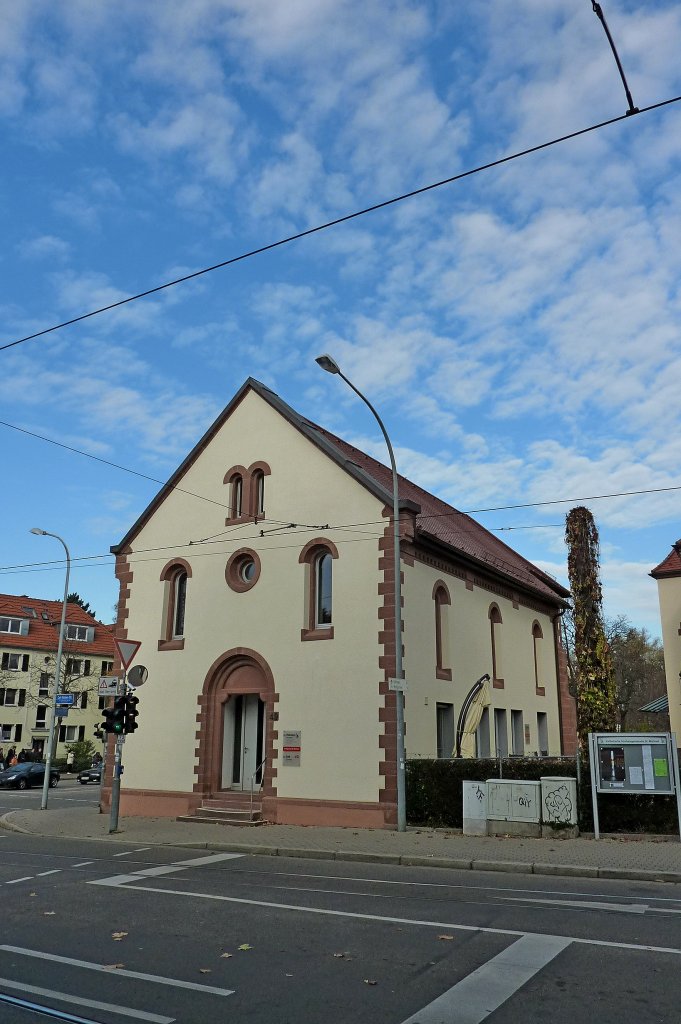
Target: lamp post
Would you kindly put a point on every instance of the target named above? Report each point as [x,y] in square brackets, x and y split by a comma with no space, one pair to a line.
[331,366]
[57,668]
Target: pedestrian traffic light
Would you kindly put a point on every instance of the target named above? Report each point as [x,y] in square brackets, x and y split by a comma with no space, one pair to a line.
[131,713]
[99,731]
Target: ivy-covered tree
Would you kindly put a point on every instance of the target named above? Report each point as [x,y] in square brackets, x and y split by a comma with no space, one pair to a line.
[595,680]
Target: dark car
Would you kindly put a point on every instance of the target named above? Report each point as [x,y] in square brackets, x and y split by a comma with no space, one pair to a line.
[90,775]
[27,774]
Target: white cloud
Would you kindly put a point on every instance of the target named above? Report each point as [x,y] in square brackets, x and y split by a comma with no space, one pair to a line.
[44,247]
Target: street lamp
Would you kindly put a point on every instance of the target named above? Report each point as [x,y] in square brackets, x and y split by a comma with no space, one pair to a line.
[331,366]
[57,669]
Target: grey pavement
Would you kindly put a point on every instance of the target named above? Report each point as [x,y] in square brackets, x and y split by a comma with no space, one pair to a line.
[644,859]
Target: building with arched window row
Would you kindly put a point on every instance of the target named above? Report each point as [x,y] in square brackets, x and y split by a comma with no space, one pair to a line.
[267,628]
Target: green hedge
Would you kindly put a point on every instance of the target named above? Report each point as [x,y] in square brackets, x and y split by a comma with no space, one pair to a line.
[434,790]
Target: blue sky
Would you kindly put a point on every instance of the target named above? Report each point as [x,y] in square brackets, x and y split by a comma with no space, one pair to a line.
[518,330]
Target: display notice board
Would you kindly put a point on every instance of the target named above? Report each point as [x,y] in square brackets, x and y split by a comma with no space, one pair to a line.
[633,762]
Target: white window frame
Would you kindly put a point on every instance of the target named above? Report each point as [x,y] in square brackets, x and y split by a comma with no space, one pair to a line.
[41,716]
[6,733]
[75,632]
[44,691]
[11,703]
[76,666]
[73,729]
[179,604]
[7,625]
[13,668]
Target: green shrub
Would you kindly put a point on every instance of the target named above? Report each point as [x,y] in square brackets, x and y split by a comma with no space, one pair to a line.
[434,793]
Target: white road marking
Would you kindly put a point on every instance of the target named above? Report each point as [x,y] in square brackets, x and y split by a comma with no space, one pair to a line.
[622,908]
[484,990]
[83,864]
[120,880]
[126,853]
[122,972]
[64,997]
[161,869]
[13,881]
[483,888]
[212,859]
[54,871]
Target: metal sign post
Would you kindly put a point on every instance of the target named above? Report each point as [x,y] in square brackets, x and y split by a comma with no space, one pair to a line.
[117,772]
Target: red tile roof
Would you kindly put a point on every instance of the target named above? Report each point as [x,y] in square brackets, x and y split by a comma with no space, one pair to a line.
[43,629]
[671,566]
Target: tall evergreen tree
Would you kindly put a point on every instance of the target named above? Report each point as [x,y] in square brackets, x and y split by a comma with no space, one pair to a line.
[75,598]
[596,706]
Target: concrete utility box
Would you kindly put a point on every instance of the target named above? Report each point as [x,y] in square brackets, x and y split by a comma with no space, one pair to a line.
[513,807]
[475,808]
[559,805]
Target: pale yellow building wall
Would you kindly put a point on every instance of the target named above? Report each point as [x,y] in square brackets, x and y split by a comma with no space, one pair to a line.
[328,689]
[470,656]
[669,593]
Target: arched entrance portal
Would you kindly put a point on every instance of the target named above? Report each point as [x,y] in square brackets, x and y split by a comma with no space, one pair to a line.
[235,738]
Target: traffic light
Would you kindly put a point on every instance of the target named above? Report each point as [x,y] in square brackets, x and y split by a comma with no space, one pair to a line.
[131,713]
[99,731]
[114,717]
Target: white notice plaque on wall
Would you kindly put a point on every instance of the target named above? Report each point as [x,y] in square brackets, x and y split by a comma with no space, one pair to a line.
[290,751]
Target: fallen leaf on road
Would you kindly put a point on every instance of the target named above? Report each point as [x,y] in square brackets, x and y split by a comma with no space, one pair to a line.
[244,945]
[368,981]
[204,970]
[289,975]
[226,956]
[49,913]
[118,936]
[33,894]
[446,938]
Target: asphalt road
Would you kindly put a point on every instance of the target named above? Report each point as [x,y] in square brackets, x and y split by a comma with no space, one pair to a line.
[66,792]
[115,933]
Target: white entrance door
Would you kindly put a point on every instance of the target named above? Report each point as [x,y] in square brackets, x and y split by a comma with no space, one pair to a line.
[242,746]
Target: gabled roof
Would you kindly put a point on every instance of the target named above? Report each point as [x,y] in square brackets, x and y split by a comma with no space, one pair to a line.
[436,520]
[43,629]
[671,566]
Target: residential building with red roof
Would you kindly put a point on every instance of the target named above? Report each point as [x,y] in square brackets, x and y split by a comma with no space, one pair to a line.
[260,582]
[668,577]
[29,635]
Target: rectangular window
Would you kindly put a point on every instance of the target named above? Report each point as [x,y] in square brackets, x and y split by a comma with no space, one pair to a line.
[517,733]
[11,698]
[6,732]
[445,729]
[107,667]
[543,733]
[76,632]
[482,735]
[74,667]
[41,716]
[44,684]
[500,733]
[14,626]
[17,733]
[102,703]
[83,700]
[11,662]
[71,733]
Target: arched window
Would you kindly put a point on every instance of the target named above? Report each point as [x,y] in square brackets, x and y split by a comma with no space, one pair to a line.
[442,601]
[495,621]
[538,650]
[323,590]
[317,557]
[258,493]
[236,499]
[174,576]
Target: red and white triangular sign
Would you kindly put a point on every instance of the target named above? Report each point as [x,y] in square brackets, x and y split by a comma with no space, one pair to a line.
[127,649]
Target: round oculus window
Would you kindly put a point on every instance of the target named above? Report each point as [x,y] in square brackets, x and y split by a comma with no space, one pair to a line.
[243,570]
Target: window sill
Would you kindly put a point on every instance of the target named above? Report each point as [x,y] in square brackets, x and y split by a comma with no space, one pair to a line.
[498,684]
[317,634]
[171,645]
[443,673]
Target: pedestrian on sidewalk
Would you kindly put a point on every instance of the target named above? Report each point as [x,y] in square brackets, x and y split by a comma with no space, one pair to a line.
[2,759]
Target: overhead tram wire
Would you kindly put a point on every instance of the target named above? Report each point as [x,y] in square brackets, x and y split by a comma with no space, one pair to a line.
[56,563]
[340,220]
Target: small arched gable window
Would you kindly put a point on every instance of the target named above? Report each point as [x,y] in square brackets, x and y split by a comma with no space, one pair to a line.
[236,479]
[257,473]
[538,651]
[174,576]
[495,621]
[317,557]
[442,601]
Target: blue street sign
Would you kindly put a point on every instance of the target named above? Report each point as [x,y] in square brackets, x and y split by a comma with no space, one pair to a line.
[65,700]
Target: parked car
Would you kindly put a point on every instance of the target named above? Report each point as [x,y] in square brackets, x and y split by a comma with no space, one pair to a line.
[90,775]
[27,774]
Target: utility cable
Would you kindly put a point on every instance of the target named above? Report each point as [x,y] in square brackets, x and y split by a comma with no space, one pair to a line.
[339,220]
